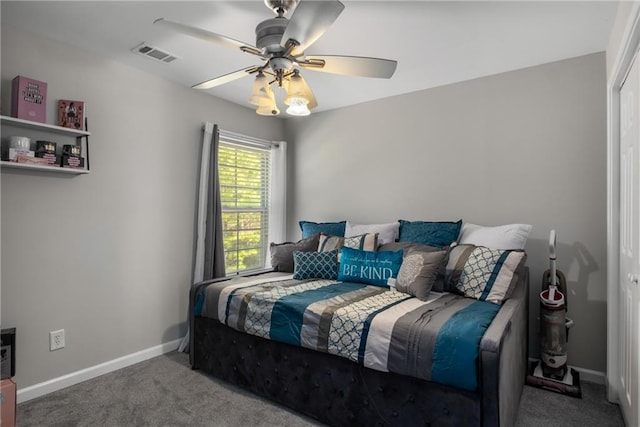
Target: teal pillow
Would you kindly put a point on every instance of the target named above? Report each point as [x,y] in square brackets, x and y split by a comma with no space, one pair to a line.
[372,268]
[315,265]
[333,228]
[432,233]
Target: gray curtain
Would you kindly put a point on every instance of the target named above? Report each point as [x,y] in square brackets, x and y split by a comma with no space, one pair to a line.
[209,256]
[213,242]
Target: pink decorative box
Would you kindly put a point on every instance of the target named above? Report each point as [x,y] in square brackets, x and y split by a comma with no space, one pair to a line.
[29,99]
[8,401]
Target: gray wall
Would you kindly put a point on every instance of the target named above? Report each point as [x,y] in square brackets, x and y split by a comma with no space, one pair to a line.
[106,256]
[527,146]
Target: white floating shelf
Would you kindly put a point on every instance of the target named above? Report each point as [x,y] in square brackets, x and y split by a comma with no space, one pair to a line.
[55,169]
[12,121]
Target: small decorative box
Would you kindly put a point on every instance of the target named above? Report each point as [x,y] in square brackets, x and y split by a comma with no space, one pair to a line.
[29,99]
[47,150]
[71,157]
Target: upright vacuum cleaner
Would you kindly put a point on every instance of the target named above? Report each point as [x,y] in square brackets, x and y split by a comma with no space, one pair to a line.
[552,372]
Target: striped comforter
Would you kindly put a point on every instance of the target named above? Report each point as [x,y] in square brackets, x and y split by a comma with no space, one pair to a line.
[382,329]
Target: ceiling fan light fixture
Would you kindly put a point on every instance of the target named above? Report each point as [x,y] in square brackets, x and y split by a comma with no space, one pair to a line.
[260,89]
[295,89]
[298,107]
[267,104]
[266,110]
[299,95]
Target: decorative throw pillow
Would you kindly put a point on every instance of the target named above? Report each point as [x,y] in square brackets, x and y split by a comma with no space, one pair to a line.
[510,236]
[310,228]
[438,285]
[483,273]
[419,272]
[373,268]
[315,265]
[282,253]
[437,234]
[387,233]
[365,242]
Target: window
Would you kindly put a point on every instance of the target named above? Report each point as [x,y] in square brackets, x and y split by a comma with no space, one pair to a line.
[244,172]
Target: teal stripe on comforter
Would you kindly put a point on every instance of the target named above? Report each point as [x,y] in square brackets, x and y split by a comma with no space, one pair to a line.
[288,312]
[455,356]
[197,309]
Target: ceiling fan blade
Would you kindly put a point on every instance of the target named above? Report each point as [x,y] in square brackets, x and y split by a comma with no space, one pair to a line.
[226,78]
[207,36]
[350,65]
[309,22]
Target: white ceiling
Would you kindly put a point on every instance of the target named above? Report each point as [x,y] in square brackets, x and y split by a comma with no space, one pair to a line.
[435,43]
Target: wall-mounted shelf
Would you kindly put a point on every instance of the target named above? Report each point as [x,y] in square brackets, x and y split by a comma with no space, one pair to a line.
[56,169]
[13,122]
[26,124]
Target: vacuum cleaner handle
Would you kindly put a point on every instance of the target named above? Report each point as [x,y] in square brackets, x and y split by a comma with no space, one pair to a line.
[552,257]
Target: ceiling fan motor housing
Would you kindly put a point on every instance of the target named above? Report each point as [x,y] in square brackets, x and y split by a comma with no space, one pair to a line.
[269,34]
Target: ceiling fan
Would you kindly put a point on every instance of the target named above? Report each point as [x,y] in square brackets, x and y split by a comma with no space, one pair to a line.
[281,44]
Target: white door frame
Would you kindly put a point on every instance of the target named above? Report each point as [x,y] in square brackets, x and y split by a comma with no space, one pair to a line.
[629,46]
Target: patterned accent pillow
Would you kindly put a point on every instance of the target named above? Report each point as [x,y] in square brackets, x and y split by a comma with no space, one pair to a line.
[482,273]
[364,242]
[373,268]
[437,234]
[310,228]
[419,272]
[315,265]
[282,253]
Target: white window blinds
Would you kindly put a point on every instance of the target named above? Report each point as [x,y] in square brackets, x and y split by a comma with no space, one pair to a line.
[244,173]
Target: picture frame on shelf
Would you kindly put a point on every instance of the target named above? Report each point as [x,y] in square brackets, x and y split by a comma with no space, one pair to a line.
[71,114]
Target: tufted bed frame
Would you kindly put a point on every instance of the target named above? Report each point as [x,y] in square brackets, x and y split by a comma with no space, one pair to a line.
[339,392]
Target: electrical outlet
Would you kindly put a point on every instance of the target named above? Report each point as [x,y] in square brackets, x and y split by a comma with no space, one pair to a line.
[56,340]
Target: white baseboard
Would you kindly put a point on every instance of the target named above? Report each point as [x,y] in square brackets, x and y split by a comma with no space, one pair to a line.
[591,375]
[586,374]
[40,389]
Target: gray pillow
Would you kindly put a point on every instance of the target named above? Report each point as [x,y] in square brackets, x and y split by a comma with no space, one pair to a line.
[420,271]
[282,253]
[438,286]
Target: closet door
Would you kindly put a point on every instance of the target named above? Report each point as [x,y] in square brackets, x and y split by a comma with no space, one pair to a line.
[629,290]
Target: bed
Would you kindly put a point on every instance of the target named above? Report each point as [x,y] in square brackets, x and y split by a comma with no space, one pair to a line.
[260,333]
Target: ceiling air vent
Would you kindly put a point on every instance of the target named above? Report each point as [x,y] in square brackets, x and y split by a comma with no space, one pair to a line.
[154,53]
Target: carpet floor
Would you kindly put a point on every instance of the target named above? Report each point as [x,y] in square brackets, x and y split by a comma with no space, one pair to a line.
[164,391]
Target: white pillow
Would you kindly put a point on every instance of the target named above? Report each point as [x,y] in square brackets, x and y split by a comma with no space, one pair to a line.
[506,237]
[387,233]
